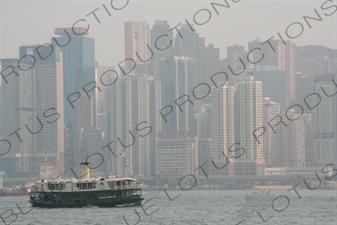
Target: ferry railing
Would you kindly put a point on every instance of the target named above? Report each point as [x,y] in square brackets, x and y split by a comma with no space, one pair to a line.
[123,187]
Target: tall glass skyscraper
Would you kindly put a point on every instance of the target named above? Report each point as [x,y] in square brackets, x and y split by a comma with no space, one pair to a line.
[176,75]
[188,45]
[78,64]
[158,42]
[324,119]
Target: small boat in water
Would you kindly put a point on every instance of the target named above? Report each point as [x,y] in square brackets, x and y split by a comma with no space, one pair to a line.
[103,192]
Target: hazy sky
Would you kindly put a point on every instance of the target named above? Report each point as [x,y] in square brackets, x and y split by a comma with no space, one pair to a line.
[33,22]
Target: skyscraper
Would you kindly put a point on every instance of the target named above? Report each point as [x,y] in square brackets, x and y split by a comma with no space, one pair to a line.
[234,53]
[47,87]
[188,45]
[274,83]
[31,103]
[271,145]
[290,68]
[292,143]
[283,56]
[136,40]
[101,97]
[135,99]
[155,120]
[209,62]
[223,121]
[177,76]
[284,146]
[13,117]
[324,119]
[249,117]
[309,150]
[78,64]
[273,56]
[205,121]
[157,43]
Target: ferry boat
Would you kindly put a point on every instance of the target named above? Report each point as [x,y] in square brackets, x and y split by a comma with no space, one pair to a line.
[102,192]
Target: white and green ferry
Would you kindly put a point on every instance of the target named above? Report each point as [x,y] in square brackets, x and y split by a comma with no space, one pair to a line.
[103,192]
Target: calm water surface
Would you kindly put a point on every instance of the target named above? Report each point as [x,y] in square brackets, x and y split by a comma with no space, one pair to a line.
[191,207]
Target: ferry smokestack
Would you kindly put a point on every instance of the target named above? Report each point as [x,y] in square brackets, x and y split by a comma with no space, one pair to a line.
[85,171]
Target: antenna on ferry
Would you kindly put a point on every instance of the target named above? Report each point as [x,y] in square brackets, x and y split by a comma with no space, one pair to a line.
[123,156]
[45,167]
[124,167]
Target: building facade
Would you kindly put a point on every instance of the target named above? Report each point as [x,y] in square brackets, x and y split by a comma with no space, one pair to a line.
[223,121]
[324,119]
[33,109]
[249,117]
[133,100]
[78,64]
[177,73]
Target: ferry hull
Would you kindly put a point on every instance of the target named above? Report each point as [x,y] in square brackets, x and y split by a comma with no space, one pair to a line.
[121,202]
[70,202]
[118,202]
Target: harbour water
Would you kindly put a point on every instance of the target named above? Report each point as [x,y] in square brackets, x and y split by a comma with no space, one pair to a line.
[195,207]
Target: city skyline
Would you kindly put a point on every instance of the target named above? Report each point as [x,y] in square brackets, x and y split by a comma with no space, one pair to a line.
[104,33]
[180,68]
[183,83]
[116,101]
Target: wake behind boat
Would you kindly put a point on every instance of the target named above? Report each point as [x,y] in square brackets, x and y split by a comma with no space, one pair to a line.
[103,192]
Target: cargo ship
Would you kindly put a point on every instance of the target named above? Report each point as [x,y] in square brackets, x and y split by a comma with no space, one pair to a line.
[108,191]
[2,191]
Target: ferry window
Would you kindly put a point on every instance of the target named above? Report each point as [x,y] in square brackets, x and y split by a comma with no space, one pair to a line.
[94,185]
[85,186]
[89,185]
[111,184]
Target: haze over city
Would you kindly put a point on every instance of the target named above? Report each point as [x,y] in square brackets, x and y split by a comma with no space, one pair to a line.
[242,22]
[103,99]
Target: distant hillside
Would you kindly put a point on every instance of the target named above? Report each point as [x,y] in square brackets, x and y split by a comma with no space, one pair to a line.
[316,50]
